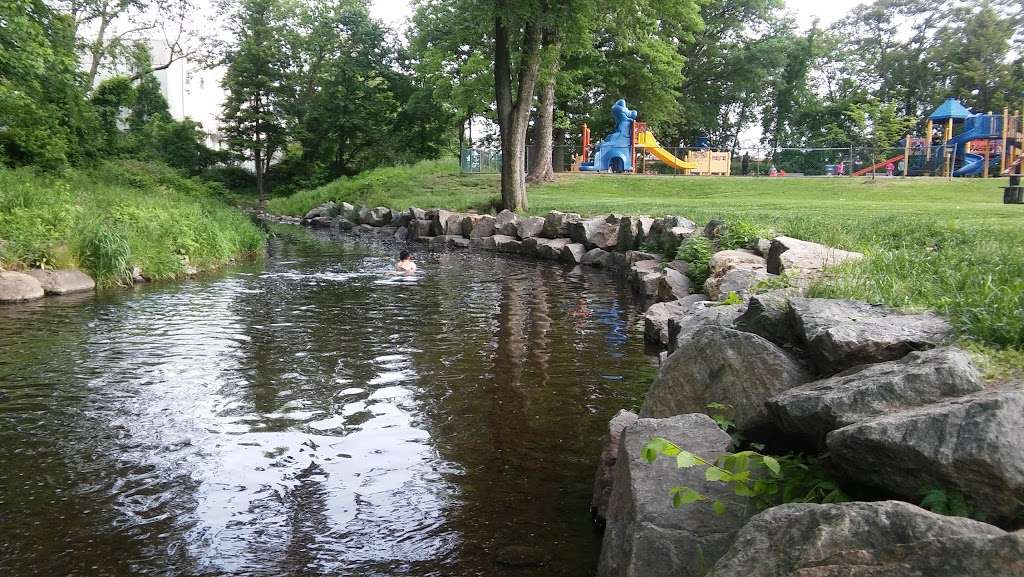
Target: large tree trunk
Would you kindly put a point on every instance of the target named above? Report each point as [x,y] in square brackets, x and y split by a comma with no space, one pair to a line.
[542,170]
[514,115]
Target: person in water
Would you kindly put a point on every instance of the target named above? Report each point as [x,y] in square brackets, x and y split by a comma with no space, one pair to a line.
[405,263]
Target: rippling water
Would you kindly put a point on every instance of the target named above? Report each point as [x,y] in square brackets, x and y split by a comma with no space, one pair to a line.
[314,415]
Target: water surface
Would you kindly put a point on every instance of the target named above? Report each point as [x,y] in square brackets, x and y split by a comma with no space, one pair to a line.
[314,415]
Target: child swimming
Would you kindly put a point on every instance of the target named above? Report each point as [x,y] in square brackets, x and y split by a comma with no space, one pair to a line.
[405,263]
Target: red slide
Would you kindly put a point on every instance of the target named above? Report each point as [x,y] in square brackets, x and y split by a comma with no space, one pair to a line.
[864,171]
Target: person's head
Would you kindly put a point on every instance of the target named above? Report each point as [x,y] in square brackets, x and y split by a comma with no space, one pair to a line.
[404,255]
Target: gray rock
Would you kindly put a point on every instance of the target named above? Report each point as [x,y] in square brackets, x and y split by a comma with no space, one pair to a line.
[529,227]
[629,233]
[401,234]
[446,241]
[646,275]
[417,213]
[63,282]
[379,216]
[507,223]
[596,257]
[468,223]
[764,247]
[645,536]
[795,256]
[719,365]
[573,252]
[345,224]
[439,221]
[344,210]
[606,464]
[484,243]
[556,224]
[634,256]
[972,444]
[453,226]
[484,226]
[328,209]
[594,233]
[681,266]
[840,334]
[727,261]
[419,228]
[813,410]
[714,228]
[767,315]
[656,320]
[547,248]
[321,222]
[17,287]
[400,219]
[702,313]
[362,215]
[508,244]
[673,285]
[878,539]
[738,281]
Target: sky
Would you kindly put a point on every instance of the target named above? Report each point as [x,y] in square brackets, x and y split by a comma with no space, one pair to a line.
[395,12]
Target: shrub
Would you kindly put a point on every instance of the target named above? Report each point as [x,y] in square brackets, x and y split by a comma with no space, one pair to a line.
[696,251]
[739,234]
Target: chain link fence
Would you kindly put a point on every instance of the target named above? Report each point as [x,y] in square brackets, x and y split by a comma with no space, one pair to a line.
[783,162]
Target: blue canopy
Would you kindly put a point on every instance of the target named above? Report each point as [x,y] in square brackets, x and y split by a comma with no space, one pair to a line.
[951,108]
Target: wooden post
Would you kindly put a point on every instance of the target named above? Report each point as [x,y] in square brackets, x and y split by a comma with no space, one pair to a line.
[906,156]
[946,152]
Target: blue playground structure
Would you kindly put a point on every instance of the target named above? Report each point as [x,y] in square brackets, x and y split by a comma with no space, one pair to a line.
[615,152]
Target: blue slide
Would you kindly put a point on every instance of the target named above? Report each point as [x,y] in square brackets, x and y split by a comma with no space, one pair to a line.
[978,127]
[973,163]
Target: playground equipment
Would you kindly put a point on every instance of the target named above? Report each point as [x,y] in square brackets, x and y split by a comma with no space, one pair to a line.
[984,143]
[618,151]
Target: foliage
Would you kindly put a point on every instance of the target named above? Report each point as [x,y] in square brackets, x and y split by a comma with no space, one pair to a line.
[739,234]
[951,502]
[766,480]
[696,251]
[780,281]
[731,299]
[116,217]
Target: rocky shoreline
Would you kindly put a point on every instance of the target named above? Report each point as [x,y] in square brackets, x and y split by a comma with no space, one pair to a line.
[881,396]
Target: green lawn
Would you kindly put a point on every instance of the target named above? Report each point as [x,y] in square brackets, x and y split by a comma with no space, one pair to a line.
[947,245]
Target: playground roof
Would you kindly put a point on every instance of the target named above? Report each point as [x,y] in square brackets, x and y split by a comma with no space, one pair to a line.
[951,108]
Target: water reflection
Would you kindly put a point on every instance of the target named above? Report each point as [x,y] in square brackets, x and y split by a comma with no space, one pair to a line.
[313,416]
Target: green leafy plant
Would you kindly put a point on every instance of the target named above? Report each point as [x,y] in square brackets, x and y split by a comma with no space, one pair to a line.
[769,284]
[764,479]
[739,234]
[947,502]
[650,246]
[697,251]
[730,299]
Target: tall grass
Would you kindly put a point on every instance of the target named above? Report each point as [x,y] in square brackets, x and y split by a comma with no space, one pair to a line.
[116,217]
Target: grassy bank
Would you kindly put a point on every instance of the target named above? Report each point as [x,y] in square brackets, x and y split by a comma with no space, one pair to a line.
[946,245]
[118,216]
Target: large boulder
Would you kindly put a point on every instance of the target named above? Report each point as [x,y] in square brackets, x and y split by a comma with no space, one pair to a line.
[594,233]
[719,365]
[321,222]
[813,410]
[62,282]
[483,227]
[702,313]
[446,241]
[482,243]
[549,248]
[379,216]
[673,285]
[646,275]
[767,315]
[656,320]
[840,334]
[645,536]
[878,539]
[606,463]
[596,257]
[418,213]
[17,287]
[507,223]
[469,221]
[508,244]
[556,224]
[529,227]
[573,252]
[670,232]
[440,222]
[972,444]
[799,257]
[419,228]
[736,269]
[453,225]
[327,209]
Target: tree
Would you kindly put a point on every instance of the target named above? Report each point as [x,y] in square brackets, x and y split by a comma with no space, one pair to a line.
[878,125]
[149,102]
[256,86]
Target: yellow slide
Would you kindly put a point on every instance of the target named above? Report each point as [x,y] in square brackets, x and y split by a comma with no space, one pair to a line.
[646,140]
